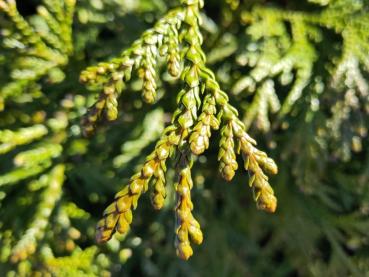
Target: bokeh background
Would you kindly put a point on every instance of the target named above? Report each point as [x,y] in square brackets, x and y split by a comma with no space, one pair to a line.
[262,52]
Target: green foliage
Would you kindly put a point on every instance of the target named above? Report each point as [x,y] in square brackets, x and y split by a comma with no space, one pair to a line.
[293,74]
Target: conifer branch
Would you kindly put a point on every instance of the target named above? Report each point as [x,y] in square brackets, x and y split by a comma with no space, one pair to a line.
[189,129]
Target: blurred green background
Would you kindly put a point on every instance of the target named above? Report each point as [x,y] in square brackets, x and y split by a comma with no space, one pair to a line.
[296,70]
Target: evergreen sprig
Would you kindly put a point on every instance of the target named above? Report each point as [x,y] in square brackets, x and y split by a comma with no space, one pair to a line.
[188,129]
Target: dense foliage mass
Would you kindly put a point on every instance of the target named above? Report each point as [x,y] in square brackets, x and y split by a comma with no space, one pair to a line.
[76,139]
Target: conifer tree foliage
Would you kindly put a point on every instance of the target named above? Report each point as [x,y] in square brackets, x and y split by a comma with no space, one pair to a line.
[75,138]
